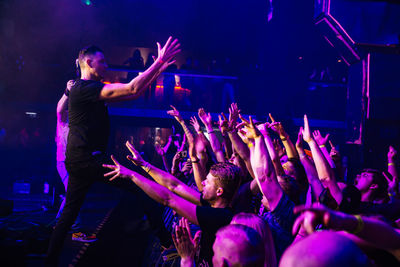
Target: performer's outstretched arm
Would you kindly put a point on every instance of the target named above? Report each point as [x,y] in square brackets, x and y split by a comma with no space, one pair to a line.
[132,90]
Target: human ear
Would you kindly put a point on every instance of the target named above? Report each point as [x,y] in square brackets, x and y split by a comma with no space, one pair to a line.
[220,191]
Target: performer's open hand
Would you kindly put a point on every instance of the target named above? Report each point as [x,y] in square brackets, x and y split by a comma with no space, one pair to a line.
[167,53]
[117,170]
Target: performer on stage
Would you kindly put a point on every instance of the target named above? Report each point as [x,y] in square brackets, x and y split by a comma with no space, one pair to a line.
[88,137]
[62,130]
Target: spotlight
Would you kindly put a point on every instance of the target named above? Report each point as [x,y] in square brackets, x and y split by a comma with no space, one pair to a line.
[87,2]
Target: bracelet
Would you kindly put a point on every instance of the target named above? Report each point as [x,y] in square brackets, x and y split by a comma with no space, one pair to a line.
[391,164]
[195,161]
[210,132]
[199,132]
[283,139]
[66,92]
[146,167]
[161,61]
[360,225]
[321,146]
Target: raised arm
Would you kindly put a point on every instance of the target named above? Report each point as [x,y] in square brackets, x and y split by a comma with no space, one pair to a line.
[321,141]
[135,88]
[215,144]
[325,173]
[198,168]
[371,230]
[157,192]
[223,128]
[164,178]
[239,146]
[160,151]
[287,143]
[167,145]
[392,154]
[276,161]
[309,167]
[263,168]
[175,113]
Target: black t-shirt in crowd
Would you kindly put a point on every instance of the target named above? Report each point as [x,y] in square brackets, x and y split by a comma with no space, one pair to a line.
[89,124]
[210,221]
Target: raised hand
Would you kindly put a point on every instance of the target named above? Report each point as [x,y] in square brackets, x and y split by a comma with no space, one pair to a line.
[195,123]
[252,131]
[70,83]
[263,127]
[167,53]
[393,184]
[175,113]
[299,142]
[315,215]
[321,141]
[392,153]
[223,124]
[160,151]
[117,170]
[306,131]
[184,244]
[205,117]
[234,112]
[136,158]
[334,153]
[277,127]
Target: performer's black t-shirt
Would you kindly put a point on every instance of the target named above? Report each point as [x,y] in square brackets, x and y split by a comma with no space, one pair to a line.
[89,124]
[210,220]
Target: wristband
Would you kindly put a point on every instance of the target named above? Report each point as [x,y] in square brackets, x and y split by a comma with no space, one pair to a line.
[146,167]
[161,61]
[250,144]
[360,225]
[66,92]
[321,146]
[195,161]
[283,139]
[391,164]
[210,132]
[199,132]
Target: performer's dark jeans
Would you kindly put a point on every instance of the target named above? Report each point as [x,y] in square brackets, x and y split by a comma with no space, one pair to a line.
[81,177]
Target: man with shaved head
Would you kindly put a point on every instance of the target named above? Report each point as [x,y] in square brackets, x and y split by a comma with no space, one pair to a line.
[238,245]
[324,249]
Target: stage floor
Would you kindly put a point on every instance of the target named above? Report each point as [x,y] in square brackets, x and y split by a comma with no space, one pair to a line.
[124,237]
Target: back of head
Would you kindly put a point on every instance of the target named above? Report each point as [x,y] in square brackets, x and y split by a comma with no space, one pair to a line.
[85,52]
[262,228]
[324,249]
[228,177]
[238,245]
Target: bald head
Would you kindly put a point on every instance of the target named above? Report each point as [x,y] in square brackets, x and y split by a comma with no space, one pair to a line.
[238,245]
[324,249]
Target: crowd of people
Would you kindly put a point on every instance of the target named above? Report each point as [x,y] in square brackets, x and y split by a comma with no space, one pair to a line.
[261,201]
[251,199]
